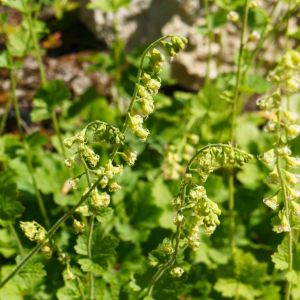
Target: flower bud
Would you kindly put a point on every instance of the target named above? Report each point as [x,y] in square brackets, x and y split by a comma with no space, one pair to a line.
[83,210]
[168,248]
[253,4]
[130,157]
[78,226]
[268,157]
[74,183]
[254,36]
[233,17]
[176,272]
[178,219]
[293,162]
[103,182]
[284,226]
[114,187]
[34,231]
[100,200]
[295,207]
[47,251]
[273,178]
[271,202]
[292,131]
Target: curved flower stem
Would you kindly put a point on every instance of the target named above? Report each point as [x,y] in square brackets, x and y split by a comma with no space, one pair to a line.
[233,124]
[134,96]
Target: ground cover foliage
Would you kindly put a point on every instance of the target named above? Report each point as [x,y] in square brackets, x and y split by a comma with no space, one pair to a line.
[151,191]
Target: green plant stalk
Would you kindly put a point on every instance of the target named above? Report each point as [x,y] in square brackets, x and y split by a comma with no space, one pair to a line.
[261,41]
[90,236]
[133,99]
[17,239]
[210,37]
[42,72]
[91,274]
[233,124]
[287,295]
[36,190]
[70,212]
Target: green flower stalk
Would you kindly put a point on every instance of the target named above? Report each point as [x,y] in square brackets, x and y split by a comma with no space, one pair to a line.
[282,124]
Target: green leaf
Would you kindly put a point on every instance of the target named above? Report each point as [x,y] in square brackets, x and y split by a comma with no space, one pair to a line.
[230,288]
[280,257]
[16,4]
[7,243]
[103,247]
[69,291]
[255,84]
[81,245]
[10,207]
[88,266]
[4,61]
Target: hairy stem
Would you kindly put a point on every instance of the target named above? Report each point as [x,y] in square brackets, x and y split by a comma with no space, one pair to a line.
[91,274]
[233,124]
[90,236]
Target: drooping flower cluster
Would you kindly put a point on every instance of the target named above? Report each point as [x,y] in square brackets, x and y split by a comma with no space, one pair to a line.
[283,124]
[215,157]
[37,233]
[194,208]
[149,84]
